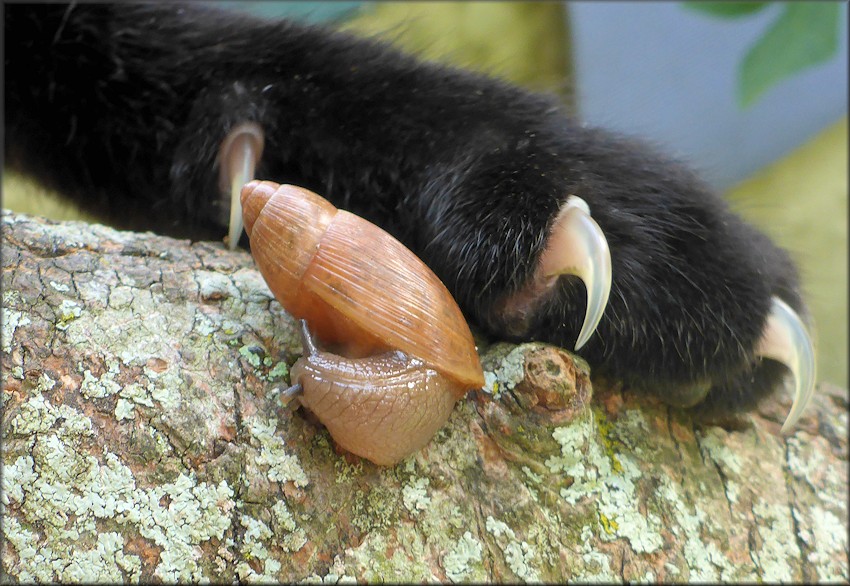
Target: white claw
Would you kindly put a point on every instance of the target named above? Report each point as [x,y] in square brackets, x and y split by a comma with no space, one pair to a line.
[238,156]
[786,340]
[578,247]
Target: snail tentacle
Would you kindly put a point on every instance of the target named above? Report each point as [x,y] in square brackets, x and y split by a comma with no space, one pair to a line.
[307,343]
[287,396]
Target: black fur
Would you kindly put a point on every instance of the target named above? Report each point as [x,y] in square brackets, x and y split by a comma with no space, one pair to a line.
[123,107]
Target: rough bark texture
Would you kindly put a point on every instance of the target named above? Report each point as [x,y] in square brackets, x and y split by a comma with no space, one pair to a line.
[143,441]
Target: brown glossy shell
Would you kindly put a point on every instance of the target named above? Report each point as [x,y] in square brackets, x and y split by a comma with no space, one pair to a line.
[355,284]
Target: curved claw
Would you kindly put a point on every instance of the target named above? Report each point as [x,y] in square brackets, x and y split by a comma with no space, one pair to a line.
[786,340]
[238,156]
[578,247]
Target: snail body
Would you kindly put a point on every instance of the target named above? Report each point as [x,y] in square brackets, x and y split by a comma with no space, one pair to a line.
[381,407]
[401,351]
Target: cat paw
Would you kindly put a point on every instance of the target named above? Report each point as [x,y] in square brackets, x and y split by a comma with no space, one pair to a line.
[576,246]
[637,265]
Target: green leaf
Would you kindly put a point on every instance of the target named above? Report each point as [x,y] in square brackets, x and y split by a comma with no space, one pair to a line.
[725,9]
[805,34]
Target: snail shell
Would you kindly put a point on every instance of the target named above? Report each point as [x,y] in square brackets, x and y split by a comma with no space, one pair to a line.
[372,301]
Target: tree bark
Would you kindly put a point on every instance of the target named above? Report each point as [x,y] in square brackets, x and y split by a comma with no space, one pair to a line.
[144,440]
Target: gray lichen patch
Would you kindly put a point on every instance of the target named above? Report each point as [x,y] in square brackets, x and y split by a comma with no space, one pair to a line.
[278,372]
[251,285]
[254,357]
[415,495]
[121,297]
[11,320]
[147,340]
[124,409]
[256,534]
[106,562]
[214,286]
[378,558]
[103,386]
[611,481]
[291,537]
[138,394]
[282,466]
[808,462]
[828,546]
[593,565]
[67,312]
[375,509]
[463,561]
[820,514]
[63,493]
[779,552]
[519,555]
[503,367]
[145,330]
[772,545]
[704,560]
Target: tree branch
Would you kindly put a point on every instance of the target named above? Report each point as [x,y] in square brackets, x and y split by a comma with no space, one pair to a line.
[143,441]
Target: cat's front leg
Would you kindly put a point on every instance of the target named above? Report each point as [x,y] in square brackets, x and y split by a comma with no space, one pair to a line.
[127,108]
[703,308]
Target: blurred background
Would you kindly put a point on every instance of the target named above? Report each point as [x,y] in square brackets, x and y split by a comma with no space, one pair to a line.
[751,94]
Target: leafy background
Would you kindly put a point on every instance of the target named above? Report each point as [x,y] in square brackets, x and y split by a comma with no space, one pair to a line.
[804,34]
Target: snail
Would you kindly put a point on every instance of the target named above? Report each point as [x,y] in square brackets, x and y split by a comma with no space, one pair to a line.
[398,351]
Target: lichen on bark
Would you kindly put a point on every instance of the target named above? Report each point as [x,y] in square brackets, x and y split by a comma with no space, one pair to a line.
[144,440]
